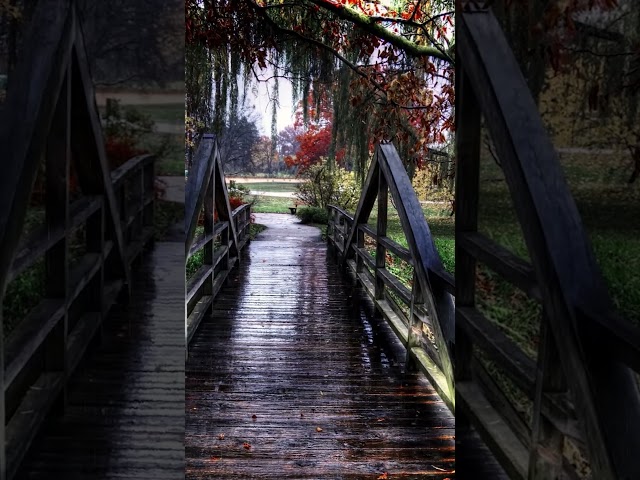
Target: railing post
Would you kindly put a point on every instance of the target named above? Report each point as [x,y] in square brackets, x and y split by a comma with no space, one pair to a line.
[381,231]
[467,193]
[414,334]
[149,177]
[359,244]
[547,442]
[208,251]
[57,158]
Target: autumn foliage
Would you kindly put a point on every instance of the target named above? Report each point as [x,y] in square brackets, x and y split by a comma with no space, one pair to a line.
[314,144]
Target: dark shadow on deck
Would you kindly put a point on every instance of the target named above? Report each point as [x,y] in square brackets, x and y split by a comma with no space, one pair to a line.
[125,413]
[291,342]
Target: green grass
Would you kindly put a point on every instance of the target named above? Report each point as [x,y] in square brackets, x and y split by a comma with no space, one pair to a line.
[23,293]
[165,113]
[609,211]
[280,187]
[271,204]
[441,226]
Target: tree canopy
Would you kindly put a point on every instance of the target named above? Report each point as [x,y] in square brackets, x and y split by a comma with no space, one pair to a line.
[386,66]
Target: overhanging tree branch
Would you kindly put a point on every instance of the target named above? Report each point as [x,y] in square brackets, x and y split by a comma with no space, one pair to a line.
[368,24]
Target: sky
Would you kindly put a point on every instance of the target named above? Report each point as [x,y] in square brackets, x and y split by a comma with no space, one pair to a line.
[263,104]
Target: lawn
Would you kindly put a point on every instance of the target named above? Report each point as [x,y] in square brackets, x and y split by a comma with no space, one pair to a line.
[610,210]
[266,204]
[163,113]
[284,187]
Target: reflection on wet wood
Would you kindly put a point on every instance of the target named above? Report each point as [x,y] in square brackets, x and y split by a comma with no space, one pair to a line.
[125,412]
[292,377]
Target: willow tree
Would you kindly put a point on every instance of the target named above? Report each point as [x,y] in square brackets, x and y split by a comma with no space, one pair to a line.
[386,65]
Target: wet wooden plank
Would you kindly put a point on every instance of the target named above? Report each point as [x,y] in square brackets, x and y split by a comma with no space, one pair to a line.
[125,412]
[291,342]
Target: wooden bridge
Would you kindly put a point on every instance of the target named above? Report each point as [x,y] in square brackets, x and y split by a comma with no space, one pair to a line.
[263,347]
[289,373]
[303,361]
[94,371]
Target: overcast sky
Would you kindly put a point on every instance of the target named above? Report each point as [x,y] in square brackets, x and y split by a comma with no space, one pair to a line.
[260,97]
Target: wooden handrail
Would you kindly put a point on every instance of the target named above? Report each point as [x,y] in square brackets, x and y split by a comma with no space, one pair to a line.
[430,302]
[205,189]
[578,320]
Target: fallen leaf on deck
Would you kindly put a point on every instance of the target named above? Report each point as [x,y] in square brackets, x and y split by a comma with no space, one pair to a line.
[221,436]
[318,429]
[246,445]
[215,459]
[384,476]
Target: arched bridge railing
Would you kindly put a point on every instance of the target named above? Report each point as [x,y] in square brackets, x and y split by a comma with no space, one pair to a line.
[421,316]
[222,237]
[581,384]
[88,236]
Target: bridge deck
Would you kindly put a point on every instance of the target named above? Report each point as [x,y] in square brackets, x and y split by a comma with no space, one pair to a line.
[125,413]
[293,378]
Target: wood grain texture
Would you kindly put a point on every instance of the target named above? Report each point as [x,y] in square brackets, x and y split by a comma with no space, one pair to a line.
[293,343]
[125,412]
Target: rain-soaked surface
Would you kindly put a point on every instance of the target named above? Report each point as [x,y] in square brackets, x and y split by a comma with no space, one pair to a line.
[125,412]
[292,377]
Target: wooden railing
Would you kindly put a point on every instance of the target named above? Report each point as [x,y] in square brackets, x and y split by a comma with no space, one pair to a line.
[421,316]
[46,346]
[581,385]
[222,238]
[133,185]
[86,250]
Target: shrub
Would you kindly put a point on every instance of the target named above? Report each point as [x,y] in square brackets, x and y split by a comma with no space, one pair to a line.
[312,215]
[236,190]
[325,186]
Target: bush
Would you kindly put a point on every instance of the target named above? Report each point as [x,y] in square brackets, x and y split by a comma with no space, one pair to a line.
[238,191]
[313,215]
[325,186]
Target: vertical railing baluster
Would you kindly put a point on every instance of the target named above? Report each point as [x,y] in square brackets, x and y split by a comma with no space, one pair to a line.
[467,193]
[547,442]
[209,247]
[359,244]
[57,158]
[414,334]
[381,231]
